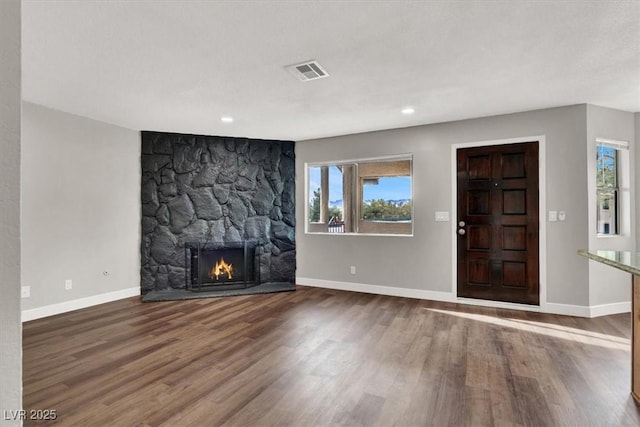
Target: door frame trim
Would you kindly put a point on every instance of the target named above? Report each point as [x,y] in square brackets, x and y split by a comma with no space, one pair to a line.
[542,206]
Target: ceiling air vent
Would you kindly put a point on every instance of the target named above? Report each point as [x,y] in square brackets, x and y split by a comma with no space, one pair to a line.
[309,70]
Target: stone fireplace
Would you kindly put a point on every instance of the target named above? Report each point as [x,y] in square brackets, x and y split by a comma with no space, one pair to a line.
[213,192]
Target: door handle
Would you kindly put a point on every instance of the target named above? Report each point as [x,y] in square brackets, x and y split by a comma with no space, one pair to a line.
[461,230]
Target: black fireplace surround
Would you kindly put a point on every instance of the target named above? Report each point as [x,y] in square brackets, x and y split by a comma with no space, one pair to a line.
[231,265]
[207,193]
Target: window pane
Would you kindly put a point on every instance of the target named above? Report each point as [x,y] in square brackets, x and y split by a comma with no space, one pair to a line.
[386,199]
[336,201]
[333,192]
[314,193]
[607,212]
[606,161]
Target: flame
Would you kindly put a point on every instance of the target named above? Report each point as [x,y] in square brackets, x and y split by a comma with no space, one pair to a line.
[221,267]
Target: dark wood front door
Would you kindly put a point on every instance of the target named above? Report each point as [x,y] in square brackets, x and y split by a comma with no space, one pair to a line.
[498,223]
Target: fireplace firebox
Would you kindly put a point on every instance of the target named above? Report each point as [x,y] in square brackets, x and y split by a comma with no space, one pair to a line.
[222,266]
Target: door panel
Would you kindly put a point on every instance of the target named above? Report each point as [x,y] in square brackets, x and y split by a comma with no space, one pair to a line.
[498,203]
[514,237]
[478,237]
[479,272]
[514,274]
[514,202]
[479,202]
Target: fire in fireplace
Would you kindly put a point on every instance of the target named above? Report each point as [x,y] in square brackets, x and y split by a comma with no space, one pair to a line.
[221,267]
[234,265]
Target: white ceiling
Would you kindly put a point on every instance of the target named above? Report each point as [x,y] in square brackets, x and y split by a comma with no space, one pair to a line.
[180,65]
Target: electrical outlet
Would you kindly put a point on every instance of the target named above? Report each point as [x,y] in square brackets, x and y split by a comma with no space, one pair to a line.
[26,291]
[353,269]
[68,284]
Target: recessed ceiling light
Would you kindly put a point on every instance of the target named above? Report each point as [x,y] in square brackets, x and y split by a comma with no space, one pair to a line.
[408,110]
[226,119]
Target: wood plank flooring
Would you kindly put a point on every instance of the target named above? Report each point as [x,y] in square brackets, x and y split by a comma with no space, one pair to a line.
[325,357]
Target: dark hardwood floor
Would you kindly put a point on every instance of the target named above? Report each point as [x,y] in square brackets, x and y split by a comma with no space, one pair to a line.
[324,357]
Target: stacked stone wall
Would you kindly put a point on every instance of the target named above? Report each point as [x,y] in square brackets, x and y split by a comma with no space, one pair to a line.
[212,189]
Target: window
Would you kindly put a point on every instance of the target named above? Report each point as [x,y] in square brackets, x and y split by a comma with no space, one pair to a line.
[365,197]
[608,177]
[325,183]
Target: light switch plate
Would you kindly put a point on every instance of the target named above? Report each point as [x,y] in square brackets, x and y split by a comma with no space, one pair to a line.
[26,291]
[562,215]
[553,216]
[442,216]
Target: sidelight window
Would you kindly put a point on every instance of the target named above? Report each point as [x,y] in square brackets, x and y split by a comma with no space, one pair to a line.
[608,178]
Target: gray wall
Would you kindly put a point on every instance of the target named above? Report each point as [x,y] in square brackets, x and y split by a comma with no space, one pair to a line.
[608,285]
[636,163]
[424,261]
[10,326]
[80,206]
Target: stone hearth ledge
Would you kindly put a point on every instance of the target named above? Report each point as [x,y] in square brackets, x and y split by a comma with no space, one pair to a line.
[182,294]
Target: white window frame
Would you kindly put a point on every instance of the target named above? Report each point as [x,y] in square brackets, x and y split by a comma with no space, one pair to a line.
[359,226]
[623,188]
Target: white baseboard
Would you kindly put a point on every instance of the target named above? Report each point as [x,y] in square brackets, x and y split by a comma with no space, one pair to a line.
[377,289]
[551,308]
[607,309]
[499,304]
[590,311]
[64,307]
[565,309]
